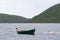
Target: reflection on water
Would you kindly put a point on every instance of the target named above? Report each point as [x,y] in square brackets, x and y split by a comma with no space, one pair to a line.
[8,31]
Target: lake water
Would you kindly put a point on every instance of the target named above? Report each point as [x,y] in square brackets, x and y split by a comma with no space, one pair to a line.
[8,31]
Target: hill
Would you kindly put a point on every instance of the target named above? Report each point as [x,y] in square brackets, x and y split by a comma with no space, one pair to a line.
[51,15]
[5,18]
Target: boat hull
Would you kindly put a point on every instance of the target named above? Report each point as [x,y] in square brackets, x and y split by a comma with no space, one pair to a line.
[26,32]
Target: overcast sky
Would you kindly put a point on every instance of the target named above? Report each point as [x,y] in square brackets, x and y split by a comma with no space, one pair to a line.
[25,8]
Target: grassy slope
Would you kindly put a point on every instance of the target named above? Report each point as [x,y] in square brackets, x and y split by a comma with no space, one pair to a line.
[51,15]
[5,18]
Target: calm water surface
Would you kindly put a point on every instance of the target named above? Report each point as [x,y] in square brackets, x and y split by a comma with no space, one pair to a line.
[8,31]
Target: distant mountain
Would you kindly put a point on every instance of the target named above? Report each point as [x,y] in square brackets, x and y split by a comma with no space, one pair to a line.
[51,15]
[5,18]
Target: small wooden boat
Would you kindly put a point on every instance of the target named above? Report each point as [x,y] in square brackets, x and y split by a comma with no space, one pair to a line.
[31,32]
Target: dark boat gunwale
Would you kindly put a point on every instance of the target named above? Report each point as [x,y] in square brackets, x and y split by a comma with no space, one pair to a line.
[31,32]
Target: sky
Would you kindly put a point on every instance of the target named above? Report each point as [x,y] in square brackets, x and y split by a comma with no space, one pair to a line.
[25,8]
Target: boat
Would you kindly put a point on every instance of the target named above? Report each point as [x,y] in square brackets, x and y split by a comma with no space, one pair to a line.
[31,32]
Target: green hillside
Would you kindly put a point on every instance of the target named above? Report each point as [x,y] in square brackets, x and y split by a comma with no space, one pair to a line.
[5,18]
[51,15]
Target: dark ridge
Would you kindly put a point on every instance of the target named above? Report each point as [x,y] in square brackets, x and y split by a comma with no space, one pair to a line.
[51,15]
[5,18]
